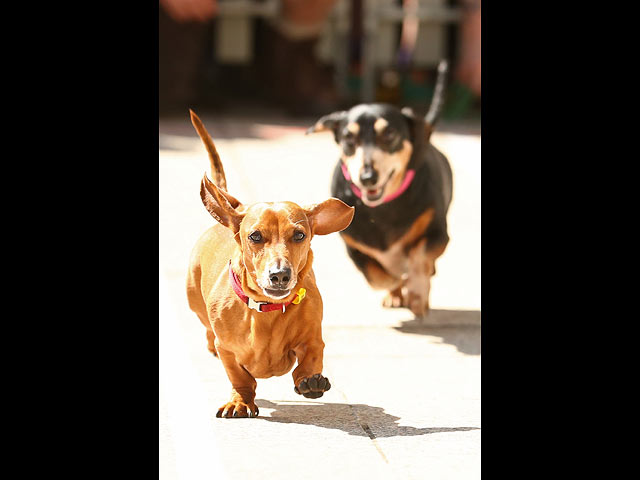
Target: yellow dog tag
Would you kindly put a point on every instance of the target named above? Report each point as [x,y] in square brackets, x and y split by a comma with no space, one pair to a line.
[299,296]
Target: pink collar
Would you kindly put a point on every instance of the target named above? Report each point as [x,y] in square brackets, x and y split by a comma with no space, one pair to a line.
[408,178]
[259,306]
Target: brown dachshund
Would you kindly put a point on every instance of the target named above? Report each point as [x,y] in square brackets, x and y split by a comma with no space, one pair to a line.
[252,285]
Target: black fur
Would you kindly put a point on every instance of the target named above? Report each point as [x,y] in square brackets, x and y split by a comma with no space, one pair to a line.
[379,227]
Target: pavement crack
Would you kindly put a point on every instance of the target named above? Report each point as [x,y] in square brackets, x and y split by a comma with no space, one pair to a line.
[365,427]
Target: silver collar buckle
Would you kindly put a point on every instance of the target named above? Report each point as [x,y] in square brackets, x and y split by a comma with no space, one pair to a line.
[255,305]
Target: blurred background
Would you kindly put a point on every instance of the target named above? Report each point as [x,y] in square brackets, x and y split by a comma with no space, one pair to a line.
[310,57]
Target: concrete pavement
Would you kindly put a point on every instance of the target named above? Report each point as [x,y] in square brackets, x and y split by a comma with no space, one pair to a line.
[405,396]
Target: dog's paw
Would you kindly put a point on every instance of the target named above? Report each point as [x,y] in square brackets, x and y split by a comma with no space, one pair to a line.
[418,304]
[394,300]
[313,387]
[237,409]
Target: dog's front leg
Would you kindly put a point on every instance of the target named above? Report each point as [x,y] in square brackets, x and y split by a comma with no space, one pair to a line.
[243,392]
[307,376]
[421,269]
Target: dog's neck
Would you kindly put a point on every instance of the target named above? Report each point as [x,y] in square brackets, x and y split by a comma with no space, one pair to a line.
[251,288]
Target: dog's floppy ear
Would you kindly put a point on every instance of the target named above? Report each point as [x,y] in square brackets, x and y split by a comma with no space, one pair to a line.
[220,205]
[329,122]
[233,201]
[330,216]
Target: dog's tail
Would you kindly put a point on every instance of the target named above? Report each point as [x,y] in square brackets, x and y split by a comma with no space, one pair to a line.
[438,95]
[217,172]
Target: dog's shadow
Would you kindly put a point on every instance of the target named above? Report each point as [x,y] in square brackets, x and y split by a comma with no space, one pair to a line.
[359,420]
[461,328]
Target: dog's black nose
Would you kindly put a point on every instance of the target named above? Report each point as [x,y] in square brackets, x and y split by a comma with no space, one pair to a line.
[368,177]
[279,277]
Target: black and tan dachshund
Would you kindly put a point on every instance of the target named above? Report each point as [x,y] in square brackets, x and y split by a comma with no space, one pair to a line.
[401,187]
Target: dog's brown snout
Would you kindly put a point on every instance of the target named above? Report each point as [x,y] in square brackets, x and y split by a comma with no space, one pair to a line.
[368,176]
[279,277]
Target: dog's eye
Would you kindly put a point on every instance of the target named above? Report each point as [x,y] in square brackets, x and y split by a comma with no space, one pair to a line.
[255,237]
[299,236]
[388,134]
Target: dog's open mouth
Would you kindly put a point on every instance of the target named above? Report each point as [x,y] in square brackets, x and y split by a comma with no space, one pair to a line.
[375,194]
[276,294]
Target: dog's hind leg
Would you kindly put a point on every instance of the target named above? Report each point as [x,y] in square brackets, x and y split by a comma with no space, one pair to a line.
[197,304]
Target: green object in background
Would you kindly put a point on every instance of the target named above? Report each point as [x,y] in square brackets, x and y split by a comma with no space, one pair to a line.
[354,84]
[414,93]
[459,102]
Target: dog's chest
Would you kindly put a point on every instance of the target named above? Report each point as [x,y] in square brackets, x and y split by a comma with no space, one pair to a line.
[269,359]
[270,363]
[262,346]
[379,228]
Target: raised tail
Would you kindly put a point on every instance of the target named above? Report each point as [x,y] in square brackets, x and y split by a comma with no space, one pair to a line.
[217,171]
[438,95]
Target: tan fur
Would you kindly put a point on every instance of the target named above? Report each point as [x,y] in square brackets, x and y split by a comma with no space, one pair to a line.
[408,266]
[379,279]
[394,259]
[354,127]
[399,162]
[384,163]
[217,171]
[254,344]
[380,124]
